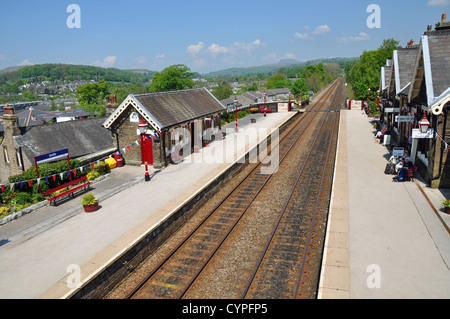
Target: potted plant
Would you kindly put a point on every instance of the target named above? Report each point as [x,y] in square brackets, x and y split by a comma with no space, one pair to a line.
[446,204]
[90,203]
[196,148]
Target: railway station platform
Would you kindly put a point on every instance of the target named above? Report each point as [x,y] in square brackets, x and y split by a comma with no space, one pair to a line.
[53,251]
[385,240]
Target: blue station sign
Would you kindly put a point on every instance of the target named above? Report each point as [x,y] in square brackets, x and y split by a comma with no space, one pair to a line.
[53,156]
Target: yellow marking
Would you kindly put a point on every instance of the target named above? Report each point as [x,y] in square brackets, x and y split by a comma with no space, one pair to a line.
[163,284]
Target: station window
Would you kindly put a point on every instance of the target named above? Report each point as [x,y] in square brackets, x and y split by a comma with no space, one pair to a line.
[5,154]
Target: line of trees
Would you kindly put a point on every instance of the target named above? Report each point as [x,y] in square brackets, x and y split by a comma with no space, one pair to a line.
[365,73]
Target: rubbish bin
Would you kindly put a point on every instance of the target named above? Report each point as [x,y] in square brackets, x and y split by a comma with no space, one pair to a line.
[111,162]
[387,140]
[119,159]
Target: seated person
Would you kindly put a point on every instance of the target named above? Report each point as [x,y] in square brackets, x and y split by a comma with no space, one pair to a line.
[407,166]
[380,134]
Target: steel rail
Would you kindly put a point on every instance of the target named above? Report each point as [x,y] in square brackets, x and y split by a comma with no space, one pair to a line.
[284,209]
[206,218]
[243,212]
[315,211]
[187,237]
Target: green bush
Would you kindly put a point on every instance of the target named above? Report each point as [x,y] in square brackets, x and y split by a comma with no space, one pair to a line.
[89,199]
[102,168]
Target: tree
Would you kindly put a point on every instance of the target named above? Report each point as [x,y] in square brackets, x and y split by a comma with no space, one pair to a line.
[299,87]
[175,77]
[222,91]
[278,81]
[389,45]
[92,92]
[365,73]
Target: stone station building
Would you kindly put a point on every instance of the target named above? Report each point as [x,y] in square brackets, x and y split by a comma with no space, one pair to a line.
[176,121]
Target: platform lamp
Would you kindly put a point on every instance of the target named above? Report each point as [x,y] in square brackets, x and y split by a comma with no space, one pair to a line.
[264,95]
[424,124]
[378,100]
[143,129]
[235,112]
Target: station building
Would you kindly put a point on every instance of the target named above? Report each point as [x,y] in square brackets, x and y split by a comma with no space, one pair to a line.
[419,89]
[87,140]
[174,120]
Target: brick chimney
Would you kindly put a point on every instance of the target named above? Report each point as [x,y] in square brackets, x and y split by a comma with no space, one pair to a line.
[10,122]
[112,105]
[443,24]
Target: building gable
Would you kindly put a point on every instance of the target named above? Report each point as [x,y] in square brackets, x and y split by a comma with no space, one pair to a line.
[431,71]
[166,109]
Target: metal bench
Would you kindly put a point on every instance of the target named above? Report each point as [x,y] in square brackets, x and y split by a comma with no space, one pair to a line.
[69,192]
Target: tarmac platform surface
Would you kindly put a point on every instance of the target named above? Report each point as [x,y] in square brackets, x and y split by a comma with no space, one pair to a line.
[384,239]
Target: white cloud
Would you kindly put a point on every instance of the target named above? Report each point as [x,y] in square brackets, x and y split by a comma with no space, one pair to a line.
[160,56]
[217,49]
[194,49]
[438,3]
[322,29]
[107,62]
[361,37]
[25,62]
[242,46]
[2,57]
[302,36]
[235,47]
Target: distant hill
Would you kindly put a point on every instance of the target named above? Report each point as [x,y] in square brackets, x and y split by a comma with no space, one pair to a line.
[268,68]
[11,69]
[72,72]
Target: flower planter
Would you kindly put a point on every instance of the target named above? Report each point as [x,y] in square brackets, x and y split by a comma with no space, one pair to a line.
[90,208]
[447,210]
[253,120]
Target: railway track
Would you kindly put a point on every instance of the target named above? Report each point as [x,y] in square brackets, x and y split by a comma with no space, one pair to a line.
[264,238]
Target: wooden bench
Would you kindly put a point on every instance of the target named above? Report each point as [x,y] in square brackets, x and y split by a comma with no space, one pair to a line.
[70,191]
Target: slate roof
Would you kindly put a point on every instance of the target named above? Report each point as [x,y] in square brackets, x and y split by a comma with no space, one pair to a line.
[431,80]
[174,107]
[167,109]
[439,48]
[81,137]
[403,66]
[33,116]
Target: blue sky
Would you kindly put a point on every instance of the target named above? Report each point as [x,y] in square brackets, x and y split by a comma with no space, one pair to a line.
[205,35]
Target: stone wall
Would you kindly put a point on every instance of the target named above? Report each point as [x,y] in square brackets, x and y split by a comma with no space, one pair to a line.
[11,159]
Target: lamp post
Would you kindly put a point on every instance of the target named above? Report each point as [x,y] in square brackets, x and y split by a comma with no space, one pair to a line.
[143,129]
[289,105]
[424,124]
[264,95]
[235,112]
[378,100]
